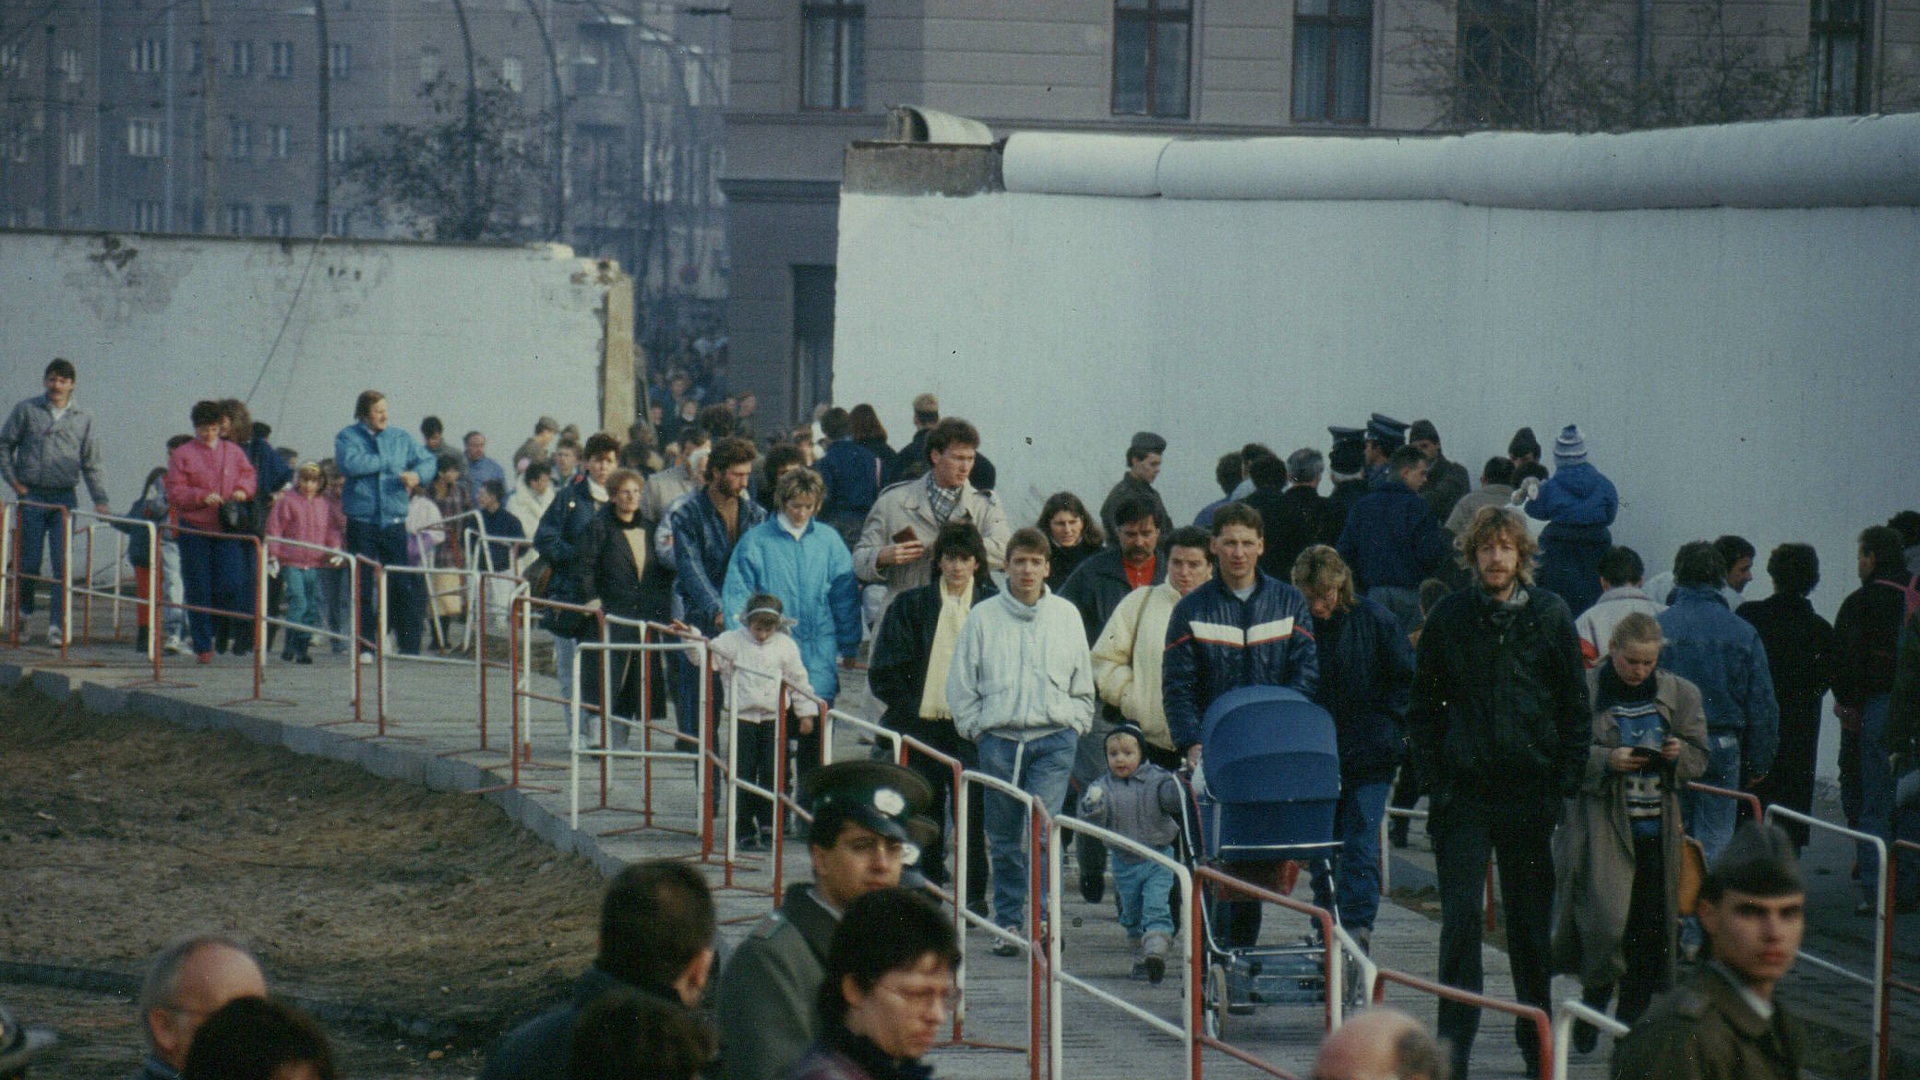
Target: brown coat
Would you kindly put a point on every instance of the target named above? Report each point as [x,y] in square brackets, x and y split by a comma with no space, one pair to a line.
[1593,847]
[1704,1030]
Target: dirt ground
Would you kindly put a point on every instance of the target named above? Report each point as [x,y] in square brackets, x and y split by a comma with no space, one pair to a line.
[419,923]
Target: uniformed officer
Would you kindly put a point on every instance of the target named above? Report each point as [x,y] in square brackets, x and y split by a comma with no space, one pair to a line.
[864,814]
[1723,1022]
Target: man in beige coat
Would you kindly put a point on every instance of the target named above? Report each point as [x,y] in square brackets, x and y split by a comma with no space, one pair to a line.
[896,541]
[1126,658]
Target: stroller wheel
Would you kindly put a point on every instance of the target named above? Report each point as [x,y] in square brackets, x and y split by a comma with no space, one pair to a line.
[1216,1013]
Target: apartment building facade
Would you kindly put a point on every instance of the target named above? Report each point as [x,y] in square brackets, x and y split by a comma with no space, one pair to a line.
[811,76]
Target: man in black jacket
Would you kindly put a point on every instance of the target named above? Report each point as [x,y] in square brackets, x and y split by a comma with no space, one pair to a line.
[1296,518]
[656,936]
[1500,729]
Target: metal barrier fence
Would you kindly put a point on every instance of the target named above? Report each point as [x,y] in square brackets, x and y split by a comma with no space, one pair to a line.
[520,647]
[1059,978]
[1543,1026]
[1748,797]
[1033,938]
[1565,1014]
[1890,910]
[606,752]
[1882,924]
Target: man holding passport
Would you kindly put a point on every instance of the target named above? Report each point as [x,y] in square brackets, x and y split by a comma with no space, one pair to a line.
[896,540]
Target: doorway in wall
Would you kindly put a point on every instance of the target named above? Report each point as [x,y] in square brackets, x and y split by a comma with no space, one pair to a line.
[812,339]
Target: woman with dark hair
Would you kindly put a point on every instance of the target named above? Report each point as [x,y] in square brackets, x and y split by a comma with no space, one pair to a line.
[911,652]
[272,473]
[612,565]
[254,1038]
[1072,533]
[201,476]
[1799,644]
[864,427]
[888,988]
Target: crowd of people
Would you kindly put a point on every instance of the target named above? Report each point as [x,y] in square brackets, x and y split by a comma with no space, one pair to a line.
[1490,649]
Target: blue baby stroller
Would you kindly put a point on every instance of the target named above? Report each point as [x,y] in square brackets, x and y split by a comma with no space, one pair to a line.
[1267,792]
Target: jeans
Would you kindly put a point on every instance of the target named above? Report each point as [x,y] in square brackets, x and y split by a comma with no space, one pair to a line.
[1142,887]
[940,735]
[566,652]
[1039,767]
[1356,886]
[1463,837]
[1710,818]
[336,594]
[215,577]
[301,586]
[387,545]
[173,589]
[43,528]
[1876,789]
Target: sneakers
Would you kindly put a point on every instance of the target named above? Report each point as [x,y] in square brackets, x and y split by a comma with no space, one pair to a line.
[366,656]
[56,636]
[1003,947]
[175,646]
[1154,951]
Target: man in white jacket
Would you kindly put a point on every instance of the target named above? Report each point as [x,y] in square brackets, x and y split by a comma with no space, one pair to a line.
[1126,659]
[1021,687]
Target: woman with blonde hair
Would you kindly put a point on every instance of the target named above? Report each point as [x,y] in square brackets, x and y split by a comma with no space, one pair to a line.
[1617,852]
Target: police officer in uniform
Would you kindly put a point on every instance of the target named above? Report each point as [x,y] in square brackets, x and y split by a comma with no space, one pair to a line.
[1723,1022]
[866,816]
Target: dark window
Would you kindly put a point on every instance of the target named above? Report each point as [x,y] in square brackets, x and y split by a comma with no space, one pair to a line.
[812,337]
[1496,63]
[1151,47]
[1332,60]
[1837,40]
[833,55]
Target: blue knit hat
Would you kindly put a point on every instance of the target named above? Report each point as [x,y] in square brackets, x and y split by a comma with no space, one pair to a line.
[1571,447]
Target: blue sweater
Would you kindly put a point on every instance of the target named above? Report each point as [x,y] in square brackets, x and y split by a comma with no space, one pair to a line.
[813,577]
[1217,642]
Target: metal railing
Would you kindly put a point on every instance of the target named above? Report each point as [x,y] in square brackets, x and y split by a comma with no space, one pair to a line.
[1543,1026]
[1565,1015]
[605,752]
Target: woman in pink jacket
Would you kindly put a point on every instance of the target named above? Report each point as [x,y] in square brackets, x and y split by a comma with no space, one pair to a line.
[201,475]
[304,514]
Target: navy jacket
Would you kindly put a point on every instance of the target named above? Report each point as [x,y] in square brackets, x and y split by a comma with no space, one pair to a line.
[1217,642]
[557,539]
[1366,682]
[852,473]
[1392,538]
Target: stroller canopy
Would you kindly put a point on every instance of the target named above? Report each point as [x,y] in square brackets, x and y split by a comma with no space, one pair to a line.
[1268,744]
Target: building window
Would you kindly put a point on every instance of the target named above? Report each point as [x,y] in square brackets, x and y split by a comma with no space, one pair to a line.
[1332,59]
[512,74]
[237,219]
[15,217]
[76,148]
[146,215]
[73,65]
[14,142]
[143,138]
[1150,54]
[279,138]
[148,56]
[280,220]
[13,61]
[240,59]
[339,223]
[1837,44]
[340,60]
[338,145]
[280,61]
[429,67]
[834,55]
[1495,78]
[239,139]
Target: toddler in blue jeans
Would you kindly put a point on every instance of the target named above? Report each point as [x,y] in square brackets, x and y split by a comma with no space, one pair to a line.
[1140,801]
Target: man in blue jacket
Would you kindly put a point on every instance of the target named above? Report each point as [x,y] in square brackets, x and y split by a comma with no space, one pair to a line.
[706,526]
[382,466]
[1392,541]
[1718,651]
[1243,628]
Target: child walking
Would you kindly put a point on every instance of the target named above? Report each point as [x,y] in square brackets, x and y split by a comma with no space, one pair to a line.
[304,514]
[1140,801]
[763,654]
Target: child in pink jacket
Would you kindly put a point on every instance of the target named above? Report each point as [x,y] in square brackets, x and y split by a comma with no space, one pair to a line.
[307,515]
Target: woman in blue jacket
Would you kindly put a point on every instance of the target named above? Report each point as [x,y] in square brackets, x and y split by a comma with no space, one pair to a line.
[807,566]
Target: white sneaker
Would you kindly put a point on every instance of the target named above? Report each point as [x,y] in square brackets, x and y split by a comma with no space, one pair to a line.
[366,656]
[175,647]
[56,636]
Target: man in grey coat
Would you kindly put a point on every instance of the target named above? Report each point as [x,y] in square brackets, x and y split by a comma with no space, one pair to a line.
[46,448]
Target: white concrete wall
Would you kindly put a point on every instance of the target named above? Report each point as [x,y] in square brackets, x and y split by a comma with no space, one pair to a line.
[485,338]
[1752,371]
